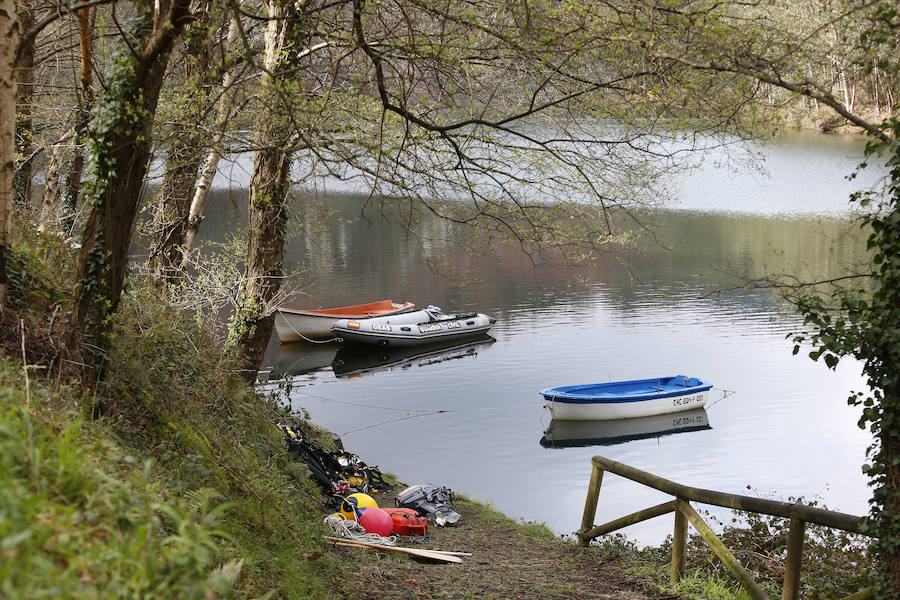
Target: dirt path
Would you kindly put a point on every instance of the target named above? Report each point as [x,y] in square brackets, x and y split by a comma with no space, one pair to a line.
[510,561]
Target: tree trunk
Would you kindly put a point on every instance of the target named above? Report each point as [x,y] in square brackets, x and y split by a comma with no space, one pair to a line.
[251,325]
[880,367]
[9,42]
[889,530]
[182,163]
[211,165]
[24,99]
[173,203]
[49,218]
[120,144]
[82,116]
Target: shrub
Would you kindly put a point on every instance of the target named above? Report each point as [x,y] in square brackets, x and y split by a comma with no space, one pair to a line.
[835,563]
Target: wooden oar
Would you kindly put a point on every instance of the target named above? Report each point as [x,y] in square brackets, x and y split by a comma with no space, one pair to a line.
[364,544]
[432,554]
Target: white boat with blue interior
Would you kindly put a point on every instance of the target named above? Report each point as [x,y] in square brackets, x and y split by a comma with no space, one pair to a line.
[626,399]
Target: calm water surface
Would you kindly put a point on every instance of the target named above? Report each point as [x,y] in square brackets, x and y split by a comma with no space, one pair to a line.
[471,418]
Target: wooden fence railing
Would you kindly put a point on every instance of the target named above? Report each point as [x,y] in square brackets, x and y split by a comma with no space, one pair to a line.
[799,514]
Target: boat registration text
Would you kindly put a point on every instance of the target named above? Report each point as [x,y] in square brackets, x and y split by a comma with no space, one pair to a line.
[685,400]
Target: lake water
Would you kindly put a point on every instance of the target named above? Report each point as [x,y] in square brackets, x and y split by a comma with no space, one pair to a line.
[471,418]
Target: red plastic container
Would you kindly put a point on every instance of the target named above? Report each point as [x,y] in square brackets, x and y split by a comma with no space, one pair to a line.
[407,521]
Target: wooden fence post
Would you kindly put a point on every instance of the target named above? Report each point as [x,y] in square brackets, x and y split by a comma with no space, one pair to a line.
[679,547]
[590,505]
[722,551]
[791,589]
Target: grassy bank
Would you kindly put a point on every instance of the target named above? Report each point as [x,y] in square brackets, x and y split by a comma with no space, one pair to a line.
[170,480]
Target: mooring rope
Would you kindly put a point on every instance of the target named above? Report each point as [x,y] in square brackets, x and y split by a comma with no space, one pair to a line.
[312,341]
[725,394]
[303,337]
[422,411]
[351,530]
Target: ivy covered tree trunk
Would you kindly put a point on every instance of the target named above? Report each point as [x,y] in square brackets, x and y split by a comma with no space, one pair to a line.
[9,42]
[888,515]
[48,219]
[183,160]
[880,351]
[173,204]
[24,100]
[251,325]
[119,149]
[871,333]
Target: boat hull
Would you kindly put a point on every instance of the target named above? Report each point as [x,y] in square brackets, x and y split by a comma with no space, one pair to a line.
[418,328]
[302,325]
[626,399]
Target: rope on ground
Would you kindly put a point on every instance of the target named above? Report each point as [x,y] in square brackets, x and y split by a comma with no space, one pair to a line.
[351,530]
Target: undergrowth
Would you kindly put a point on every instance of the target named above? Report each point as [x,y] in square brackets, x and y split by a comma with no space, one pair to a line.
[835,563]
[168,480]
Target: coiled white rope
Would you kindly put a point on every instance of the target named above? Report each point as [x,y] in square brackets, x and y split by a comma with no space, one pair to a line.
[351,530]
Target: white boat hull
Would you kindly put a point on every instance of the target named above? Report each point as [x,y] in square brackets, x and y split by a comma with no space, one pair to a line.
[413,328]
[625,409]
[297,328]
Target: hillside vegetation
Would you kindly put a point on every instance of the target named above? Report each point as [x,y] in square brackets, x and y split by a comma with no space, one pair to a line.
[169,480]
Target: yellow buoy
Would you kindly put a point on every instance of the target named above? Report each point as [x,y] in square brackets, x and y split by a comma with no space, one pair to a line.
[355,501]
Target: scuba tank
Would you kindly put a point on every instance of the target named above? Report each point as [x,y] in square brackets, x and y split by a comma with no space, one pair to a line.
[433,503]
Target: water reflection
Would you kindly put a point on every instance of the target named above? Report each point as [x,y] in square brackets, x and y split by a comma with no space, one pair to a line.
[354,360]
[567,434]
[297,358]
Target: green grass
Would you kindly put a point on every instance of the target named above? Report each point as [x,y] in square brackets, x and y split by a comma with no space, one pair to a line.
[489,513]
[697,585]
